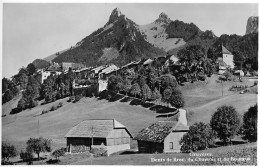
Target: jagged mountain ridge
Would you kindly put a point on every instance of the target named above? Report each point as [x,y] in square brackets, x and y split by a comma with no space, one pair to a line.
[119,41]
[252,25]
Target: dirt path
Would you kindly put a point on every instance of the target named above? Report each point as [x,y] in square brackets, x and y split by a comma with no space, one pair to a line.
[182,117]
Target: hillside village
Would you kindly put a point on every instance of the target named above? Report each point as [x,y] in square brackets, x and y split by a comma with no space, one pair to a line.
[57,111]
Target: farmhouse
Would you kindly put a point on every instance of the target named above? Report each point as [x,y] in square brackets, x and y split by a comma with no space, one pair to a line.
[161,137]
[107,133]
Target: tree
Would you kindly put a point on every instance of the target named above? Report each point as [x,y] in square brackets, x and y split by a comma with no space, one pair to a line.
[26,156]
[38,145]
[59,152]
[135,89]
[5,84]
[167,95]
[177,99]
[8,151]
[239,59]
[249,128]
[126,85]
[199,137]
[210,54]
[21,104]
[167,81]
[114,83]
[146,92]
[156,94]
[7,96]
[31,68]
[174,97]
[225,121]
[192,57]
[227,75]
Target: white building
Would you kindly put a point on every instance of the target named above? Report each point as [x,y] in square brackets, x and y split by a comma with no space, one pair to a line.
[227,57]
[47,73]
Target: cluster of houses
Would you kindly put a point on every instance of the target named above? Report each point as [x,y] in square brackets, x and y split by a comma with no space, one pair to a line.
[102,73]
[112,136]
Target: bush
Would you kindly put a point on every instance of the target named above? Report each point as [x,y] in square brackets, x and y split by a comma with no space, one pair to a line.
[77,98]
[26,156]
[59,152]
[225,121]
[45,112]
[199,137]
[60,105]
[8,151]
[249,128]
[53,108]
[99,152]
[227,75]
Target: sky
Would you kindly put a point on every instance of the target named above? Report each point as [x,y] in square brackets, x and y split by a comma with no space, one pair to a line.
[37,30]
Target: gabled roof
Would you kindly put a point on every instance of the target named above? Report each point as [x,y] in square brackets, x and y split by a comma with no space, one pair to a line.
[157,132]
[148,61]
[95,128]
[225,51]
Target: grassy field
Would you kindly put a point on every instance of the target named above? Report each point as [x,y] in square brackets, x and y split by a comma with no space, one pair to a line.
[57,123]
[202,98]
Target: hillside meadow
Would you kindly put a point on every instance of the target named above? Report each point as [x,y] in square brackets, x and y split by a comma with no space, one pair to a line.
[202,99]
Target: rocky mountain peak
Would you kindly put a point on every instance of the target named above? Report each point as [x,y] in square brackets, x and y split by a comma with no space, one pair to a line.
[252,25]
[163,16]
[116,13]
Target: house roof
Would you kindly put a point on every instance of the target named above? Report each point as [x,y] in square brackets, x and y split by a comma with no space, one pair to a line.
[158,131]
[95,128]
[148,61]
[225,51]
[109,69]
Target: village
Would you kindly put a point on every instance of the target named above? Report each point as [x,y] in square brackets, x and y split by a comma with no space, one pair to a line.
[169,92]
[109,136]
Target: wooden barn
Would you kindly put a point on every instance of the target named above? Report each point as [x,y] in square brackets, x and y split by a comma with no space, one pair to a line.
[108,133]
[161,137]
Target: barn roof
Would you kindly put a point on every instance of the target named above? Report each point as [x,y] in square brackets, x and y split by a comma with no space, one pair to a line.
[158,131]
[95,128]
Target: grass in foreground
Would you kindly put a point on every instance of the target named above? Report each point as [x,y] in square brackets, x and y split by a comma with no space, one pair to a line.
[245,154]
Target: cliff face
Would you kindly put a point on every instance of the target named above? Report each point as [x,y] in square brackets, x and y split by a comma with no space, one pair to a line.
[252,25]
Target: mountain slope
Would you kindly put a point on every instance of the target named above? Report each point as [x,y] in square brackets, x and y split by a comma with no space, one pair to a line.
[119,41]
[156,34]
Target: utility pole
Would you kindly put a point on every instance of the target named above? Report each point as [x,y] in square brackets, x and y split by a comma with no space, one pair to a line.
[38,127]
[91,135]
[222,86]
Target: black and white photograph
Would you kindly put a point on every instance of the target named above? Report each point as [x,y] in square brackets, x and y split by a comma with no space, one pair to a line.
[129,83]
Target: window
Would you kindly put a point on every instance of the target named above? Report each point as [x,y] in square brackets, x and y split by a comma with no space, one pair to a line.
[171,145]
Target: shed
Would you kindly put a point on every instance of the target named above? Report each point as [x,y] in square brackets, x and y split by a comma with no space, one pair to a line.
[93,133]
[161,137]
[239,73]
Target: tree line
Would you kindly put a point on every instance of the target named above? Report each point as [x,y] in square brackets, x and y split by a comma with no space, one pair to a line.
[225,123]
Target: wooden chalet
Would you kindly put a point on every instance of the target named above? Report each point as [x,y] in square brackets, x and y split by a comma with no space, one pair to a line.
[107,133]
[161,137]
